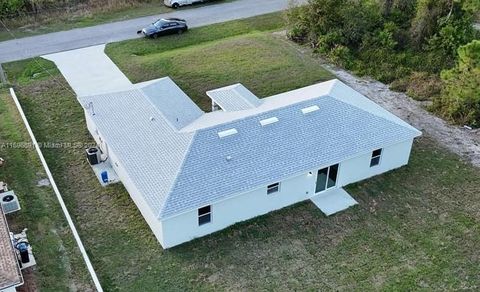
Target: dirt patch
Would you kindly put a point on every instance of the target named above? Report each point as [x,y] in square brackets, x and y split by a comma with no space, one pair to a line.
[459,140]
[30,281]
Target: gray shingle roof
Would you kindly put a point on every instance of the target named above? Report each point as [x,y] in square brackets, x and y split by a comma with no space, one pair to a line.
[234,98]
[149,151]
[175,105]
[264,155]
[181,170]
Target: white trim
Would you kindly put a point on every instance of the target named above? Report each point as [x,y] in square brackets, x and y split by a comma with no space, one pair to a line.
[326,181]
[209,213]
[57,193]
[376,156]
[285,178]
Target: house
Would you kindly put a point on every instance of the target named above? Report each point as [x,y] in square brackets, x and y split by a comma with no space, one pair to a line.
[192,173]
[10,273]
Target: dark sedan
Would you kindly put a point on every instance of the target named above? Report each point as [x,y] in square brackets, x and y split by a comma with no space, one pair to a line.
[164,26]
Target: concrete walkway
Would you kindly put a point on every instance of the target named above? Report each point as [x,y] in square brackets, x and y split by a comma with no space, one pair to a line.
[34,46]
[90,71]
[333,201]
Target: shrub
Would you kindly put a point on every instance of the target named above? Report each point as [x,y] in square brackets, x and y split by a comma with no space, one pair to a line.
[423,85]
[341,55]
[8,7]
[400,84]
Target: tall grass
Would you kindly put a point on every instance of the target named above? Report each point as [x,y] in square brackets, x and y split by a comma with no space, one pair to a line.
[44,12]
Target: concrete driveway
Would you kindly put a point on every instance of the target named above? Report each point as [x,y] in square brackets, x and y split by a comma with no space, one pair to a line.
[23,48]
[90,71]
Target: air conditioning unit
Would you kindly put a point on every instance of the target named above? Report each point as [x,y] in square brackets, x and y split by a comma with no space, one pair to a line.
[93,155]
[9,202]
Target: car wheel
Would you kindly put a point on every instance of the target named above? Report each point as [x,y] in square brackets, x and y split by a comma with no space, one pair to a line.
[180,31]
[155,35]
[175,5]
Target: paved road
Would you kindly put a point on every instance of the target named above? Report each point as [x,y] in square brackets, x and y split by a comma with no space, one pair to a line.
[117,31]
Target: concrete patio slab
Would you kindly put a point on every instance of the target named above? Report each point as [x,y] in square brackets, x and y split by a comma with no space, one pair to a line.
[90,71]
[333,201]
[105,166]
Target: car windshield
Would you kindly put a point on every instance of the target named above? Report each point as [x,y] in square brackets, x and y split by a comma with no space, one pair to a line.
[159,23]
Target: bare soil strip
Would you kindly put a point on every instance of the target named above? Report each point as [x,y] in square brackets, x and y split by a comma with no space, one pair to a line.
[458,139]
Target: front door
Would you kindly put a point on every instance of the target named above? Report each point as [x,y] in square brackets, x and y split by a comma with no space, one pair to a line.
[326,178]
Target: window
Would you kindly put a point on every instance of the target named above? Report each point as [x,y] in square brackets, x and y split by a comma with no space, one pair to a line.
[273,188]
[204,215]
[376,157]
[326,178]
[332,176]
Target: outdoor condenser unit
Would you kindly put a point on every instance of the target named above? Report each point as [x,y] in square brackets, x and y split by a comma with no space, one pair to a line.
[93,155]
[9,202]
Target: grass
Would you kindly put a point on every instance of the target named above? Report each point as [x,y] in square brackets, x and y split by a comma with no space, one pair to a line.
[219,55]
[59,264]
[29,26]
[415,228]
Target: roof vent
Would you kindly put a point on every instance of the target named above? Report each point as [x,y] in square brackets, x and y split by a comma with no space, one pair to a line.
[310,109]
[227,133]
[268,121]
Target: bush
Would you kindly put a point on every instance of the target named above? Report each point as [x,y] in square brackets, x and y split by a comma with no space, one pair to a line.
[340,55]
[423,85]
[8,7]
[403,42]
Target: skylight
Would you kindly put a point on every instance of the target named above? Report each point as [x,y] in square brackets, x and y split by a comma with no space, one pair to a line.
[310,109]
[268,121]
[227,133]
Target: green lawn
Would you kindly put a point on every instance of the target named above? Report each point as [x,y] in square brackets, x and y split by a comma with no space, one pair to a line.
[65,21]
[416,227]
[59,264]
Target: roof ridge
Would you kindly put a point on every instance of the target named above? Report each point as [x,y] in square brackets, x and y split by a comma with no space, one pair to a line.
[384,112]
[183,189]
[236,119]
[174,182]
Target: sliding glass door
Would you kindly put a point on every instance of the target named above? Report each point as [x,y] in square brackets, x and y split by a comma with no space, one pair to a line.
[326,178]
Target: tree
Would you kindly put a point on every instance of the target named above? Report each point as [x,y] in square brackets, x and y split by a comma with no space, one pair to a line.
[327,24]
[425,22]
[460,99]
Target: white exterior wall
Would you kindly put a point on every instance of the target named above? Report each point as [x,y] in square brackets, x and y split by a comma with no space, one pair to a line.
[184,227]
[151,219]
[358,168]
